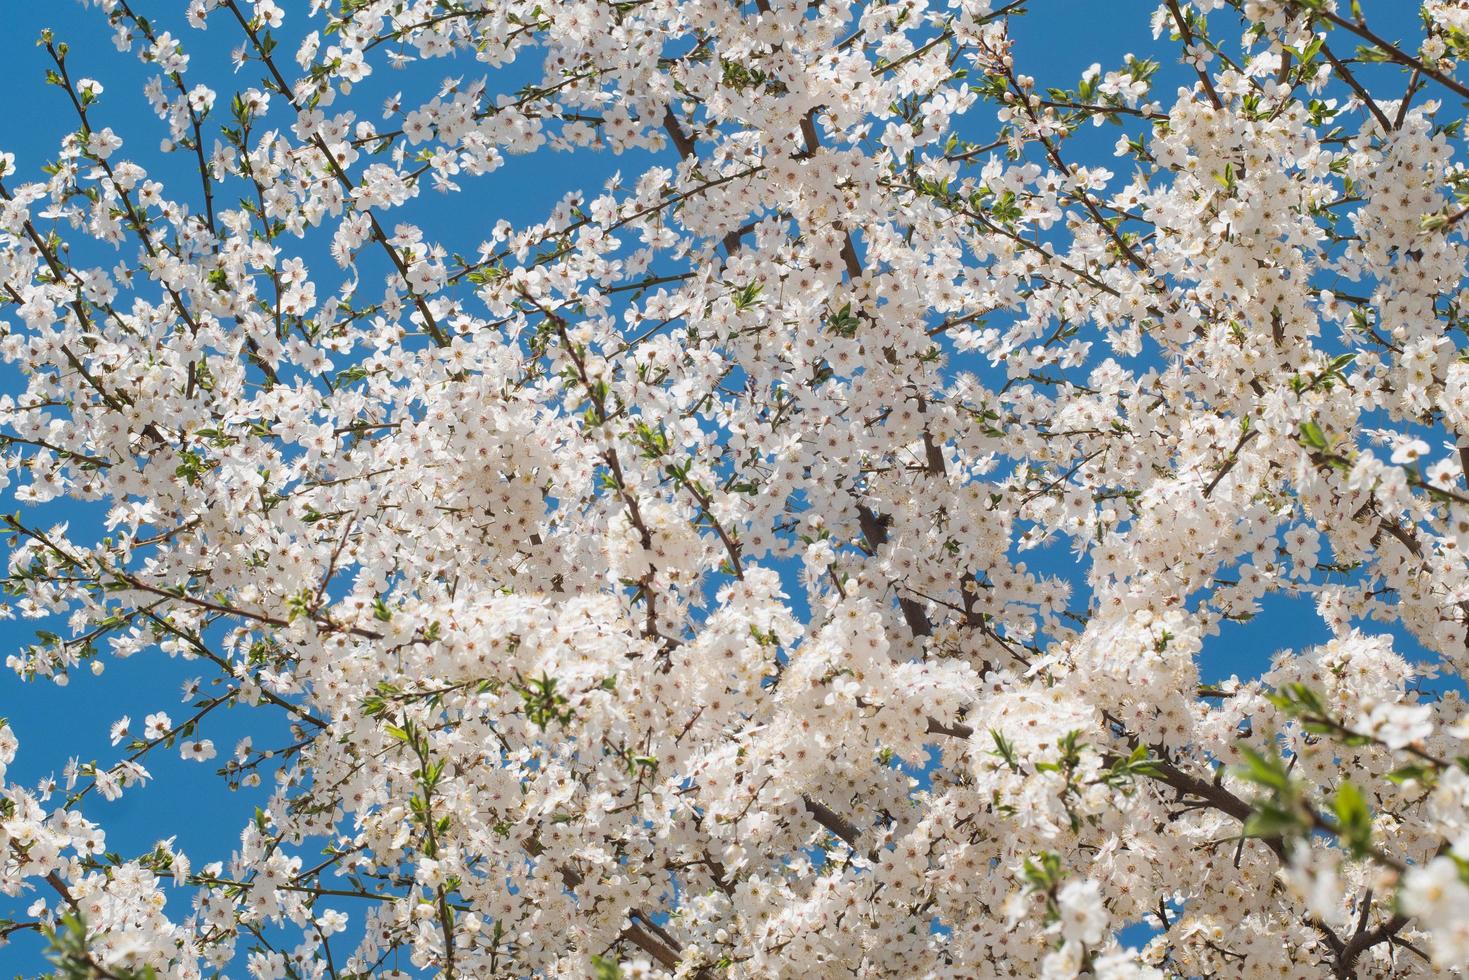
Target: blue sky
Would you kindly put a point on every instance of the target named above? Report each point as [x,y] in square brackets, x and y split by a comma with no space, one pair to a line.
[1055,43]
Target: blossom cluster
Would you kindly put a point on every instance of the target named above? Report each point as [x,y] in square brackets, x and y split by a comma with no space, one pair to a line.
[669,586]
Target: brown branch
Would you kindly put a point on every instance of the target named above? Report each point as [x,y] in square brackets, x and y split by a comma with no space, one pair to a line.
[1188,41]
[1345,74]
[1361,29]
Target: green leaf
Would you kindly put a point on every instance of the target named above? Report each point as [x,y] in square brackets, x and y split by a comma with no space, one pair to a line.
[747,296]
[1273,821]
[605,969]
[1426,775]
[1004,749]
[1353,819]
[1268,772]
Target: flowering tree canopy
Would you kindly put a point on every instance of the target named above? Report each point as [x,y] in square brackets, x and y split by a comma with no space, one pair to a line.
[643,590]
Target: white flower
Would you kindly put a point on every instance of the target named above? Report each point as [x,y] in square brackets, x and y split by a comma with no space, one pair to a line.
[1436,894]
[102,143]
[200,751]
[331,922]
[1397,724]
[1083,917]
[156,725]
[1124,965]
[1408,451]
[1064,963]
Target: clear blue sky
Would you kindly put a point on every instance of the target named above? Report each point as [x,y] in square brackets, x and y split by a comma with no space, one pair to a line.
[1056,42]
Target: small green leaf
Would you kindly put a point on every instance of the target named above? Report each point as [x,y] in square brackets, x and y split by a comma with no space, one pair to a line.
[1267,772]
[1353,819]
[1272,821]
